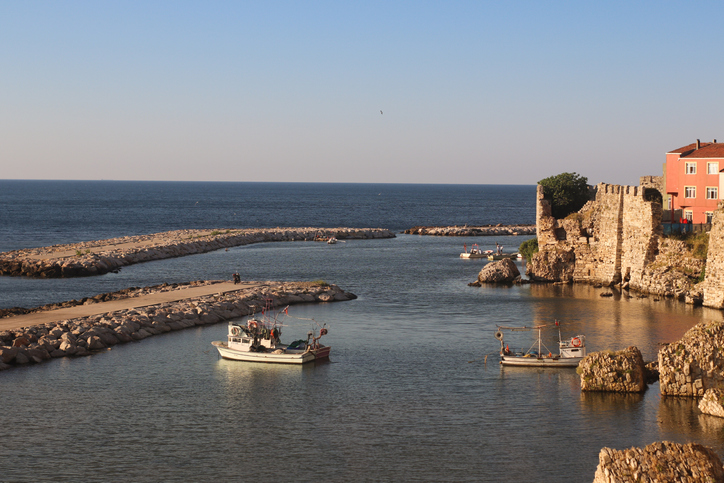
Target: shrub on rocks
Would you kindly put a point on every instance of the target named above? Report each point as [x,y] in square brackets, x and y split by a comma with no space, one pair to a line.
[621,371]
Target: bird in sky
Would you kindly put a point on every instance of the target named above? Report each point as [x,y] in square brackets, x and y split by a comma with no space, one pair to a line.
[380,111]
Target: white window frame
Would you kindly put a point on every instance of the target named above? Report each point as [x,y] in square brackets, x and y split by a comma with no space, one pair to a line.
[689,215]
[712,193]
[712,168]
[690,168]
[690,192]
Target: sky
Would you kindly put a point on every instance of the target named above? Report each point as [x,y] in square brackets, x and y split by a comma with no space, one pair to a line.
[386,91]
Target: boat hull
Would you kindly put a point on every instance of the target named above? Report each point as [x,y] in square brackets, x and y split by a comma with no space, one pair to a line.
[299,357]
[540,362]
[473,255]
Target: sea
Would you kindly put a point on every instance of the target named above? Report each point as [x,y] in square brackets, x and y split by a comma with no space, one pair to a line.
[413,390]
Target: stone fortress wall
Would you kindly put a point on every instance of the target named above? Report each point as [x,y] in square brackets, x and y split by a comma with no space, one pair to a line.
[610,240]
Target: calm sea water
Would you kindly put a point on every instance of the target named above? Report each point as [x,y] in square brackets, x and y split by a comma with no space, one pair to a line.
[407,395]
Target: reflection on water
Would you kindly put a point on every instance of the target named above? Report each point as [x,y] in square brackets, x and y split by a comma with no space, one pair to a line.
[399,399]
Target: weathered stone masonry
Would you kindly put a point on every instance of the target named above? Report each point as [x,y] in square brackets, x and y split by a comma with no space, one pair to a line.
[610,240]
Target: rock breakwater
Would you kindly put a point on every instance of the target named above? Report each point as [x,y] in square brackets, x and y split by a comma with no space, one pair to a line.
[85,335]
[465,230]
[103,256]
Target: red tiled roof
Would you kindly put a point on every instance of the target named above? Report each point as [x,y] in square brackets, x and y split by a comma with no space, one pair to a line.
[706,150]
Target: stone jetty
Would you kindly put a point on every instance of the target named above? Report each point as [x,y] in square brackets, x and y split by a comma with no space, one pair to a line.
[132,320]
[103,256]
[659,462]
[467,230]
[613,371]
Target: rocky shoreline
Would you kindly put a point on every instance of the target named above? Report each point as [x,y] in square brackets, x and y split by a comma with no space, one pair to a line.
[103,256]
[467,230]
[87,335]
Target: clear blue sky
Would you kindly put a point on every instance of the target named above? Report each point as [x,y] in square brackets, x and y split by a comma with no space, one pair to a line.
[471,92]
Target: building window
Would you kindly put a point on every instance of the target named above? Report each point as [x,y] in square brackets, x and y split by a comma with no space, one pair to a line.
[712,168]
[689,215]
[709,216]
[712,193]
[690,168]
[690,192]
[669,202]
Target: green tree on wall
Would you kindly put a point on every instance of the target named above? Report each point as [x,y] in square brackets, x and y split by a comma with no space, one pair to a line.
[567,192]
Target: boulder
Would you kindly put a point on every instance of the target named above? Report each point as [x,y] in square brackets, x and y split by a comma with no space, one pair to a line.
[660,461]
[712,403]
[621,371]
[695,363]
[7,354]
[95,343]
[552,265]
[502,271]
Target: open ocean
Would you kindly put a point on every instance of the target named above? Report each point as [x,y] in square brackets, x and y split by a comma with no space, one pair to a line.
[407,395]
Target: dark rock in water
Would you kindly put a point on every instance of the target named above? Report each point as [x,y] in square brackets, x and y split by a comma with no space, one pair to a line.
[502,271]
[606,294]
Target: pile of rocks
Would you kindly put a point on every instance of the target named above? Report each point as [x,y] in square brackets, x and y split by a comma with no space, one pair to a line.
[695,363]
[126,293]
[465,230]
[621,371]
[84,335]
[99,257]
[661,461]
[501,271]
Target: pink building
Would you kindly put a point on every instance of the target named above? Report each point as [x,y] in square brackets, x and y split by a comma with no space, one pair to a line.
[693,181]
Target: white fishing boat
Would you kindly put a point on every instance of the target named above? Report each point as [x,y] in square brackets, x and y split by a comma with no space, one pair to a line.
[258,340]
[332,241]
[570,351]
[475,252]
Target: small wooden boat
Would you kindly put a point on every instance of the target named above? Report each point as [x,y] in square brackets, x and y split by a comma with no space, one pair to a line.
[571,351]
[258,340]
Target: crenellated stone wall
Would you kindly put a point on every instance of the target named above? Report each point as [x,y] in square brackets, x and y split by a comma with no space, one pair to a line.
[610,240]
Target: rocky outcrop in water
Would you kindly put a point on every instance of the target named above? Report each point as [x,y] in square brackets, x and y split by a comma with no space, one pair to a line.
[103,256]
[712,403]
[501,271]
[86,335]
[466,230]
[695,363]
[659,462]
[621,371]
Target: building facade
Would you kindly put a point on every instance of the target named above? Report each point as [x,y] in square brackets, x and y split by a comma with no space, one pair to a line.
[693,182]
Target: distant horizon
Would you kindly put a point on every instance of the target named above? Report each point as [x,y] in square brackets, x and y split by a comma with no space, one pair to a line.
[261,182]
